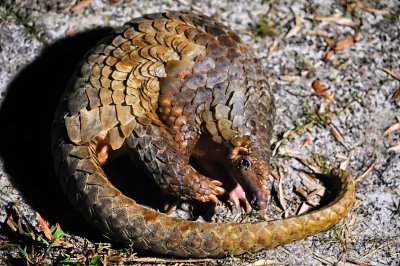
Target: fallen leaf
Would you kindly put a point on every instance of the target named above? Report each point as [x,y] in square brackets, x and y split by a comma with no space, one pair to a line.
[301,191]
[396,96]
[306,141]
[44,227]
[304,207]
[80,5]
[10,222]
[319,89]
[328,53]
[395,149]
[343,165]
[344,43]
[391,129]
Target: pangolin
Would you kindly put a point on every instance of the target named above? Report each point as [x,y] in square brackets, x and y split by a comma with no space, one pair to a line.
[167,87]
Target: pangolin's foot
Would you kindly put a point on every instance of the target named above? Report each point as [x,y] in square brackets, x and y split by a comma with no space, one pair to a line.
[209,191]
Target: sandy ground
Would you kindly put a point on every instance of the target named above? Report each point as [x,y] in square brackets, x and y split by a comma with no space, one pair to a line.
[354,54]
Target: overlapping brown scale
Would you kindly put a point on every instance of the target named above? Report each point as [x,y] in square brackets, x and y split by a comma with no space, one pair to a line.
[139,41]
[73,126]
[93,96]
[204,39]
[181,28]
[86,69]
[178,68]
[116,138]
[130,33]
[160,24]
[127,46]
[111,60]
[124,114]
[191,33]
[107,50]
[118,97]
[122,67]
[108,116]
[95,82]
[90,124]
[105,96]
[105,82]
[190,51]
[214,49]
[215,76]
[215,30]
[146,26]
[77,101]
[171,26]
[128,61]
[226,40]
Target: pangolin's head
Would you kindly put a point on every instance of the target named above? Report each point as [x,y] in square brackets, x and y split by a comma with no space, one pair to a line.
[251,171]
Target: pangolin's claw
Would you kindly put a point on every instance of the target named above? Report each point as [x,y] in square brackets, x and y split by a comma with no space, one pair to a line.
[248,206]
[206,198]
[213,198]
[236,195]
[216,183]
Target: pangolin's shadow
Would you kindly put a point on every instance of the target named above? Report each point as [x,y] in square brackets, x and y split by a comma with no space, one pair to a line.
[26,116]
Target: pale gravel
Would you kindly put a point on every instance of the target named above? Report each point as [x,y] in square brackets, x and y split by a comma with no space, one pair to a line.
[363,105]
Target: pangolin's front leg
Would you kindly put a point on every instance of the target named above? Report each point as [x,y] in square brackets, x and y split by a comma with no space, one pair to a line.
[154,146]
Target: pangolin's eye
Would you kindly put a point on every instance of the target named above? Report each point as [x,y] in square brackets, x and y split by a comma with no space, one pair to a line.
[246,164]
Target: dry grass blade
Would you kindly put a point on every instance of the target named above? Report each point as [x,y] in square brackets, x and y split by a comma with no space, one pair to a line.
[325,260]
[264,262]
[337,20]
[326,102]
[282,199]
[395,149]
[381,246]
[44,227]
[309,182]
[336,134]
[369,8]
[289,78]
[165,260]
[313,168]
[391,73]
[80,5]
[273,47]
[363,175]
[297,27]
[343,165]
